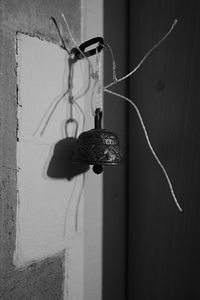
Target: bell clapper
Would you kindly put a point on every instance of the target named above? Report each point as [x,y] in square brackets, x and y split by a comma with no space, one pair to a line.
[97,169]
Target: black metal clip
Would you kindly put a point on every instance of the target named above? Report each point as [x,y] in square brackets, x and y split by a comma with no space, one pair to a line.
[80,53]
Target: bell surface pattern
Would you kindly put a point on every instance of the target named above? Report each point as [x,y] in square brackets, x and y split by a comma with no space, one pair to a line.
[98,146]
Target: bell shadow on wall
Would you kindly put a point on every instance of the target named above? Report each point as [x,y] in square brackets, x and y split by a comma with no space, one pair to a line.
[61,164]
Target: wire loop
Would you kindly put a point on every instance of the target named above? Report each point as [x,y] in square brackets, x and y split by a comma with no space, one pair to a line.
[71,121]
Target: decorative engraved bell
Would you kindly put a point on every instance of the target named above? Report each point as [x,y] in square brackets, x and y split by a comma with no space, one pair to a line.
[98,147]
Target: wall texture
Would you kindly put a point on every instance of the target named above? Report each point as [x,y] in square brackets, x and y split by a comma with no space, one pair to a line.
[44,279]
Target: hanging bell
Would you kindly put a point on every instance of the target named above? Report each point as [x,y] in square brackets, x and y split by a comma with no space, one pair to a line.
[98,147]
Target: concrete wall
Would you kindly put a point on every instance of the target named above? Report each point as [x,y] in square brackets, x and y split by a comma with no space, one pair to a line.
[44,279]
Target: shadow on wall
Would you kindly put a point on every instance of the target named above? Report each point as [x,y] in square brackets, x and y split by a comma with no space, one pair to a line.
[61,165]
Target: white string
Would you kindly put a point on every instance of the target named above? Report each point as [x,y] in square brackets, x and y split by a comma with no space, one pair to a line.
[57,101]
[82,93]
[79,201]
[69,31]
[99,98]
[98,87]
[75,43]
[149,144]
[82,113]
[144,58]
[60,36]
[92,97]
[68,205]
[114,66]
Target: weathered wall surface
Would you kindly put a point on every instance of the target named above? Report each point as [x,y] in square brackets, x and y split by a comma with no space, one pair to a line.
[42,280]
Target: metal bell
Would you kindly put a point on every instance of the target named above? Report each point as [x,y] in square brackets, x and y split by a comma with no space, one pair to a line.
[98,147]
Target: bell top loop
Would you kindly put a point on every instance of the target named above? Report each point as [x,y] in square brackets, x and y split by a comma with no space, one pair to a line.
[71,121]
[98,118]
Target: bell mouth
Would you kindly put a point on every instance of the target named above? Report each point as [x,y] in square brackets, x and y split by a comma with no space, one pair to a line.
[107,164]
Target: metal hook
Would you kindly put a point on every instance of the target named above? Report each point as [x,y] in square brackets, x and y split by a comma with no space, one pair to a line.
[80,53]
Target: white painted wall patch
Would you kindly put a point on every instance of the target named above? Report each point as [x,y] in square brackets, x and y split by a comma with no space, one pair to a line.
[42,201]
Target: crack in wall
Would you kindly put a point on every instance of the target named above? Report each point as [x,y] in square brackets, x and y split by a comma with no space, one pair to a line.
[16,70]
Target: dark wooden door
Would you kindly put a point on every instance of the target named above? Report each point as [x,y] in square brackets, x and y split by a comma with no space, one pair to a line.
[115,178]
[151,251]
[164,245]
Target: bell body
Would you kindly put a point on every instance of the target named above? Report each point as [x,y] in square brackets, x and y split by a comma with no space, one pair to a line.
[98,147]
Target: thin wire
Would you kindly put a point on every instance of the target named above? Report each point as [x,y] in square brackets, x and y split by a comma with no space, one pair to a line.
[86,89]
[68,205]
[69,31]
[60,36]
[99,103]
[98,87]
[82,113]
[78,202]
[145,57]
[75,43]
[149,144]
[70,87]
[92,97]
[51,113]
[114,66]
[55,106]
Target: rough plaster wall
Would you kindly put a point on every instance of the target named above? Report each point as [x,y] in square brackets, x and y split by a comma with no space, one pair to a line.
[39,281]
[45,279]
